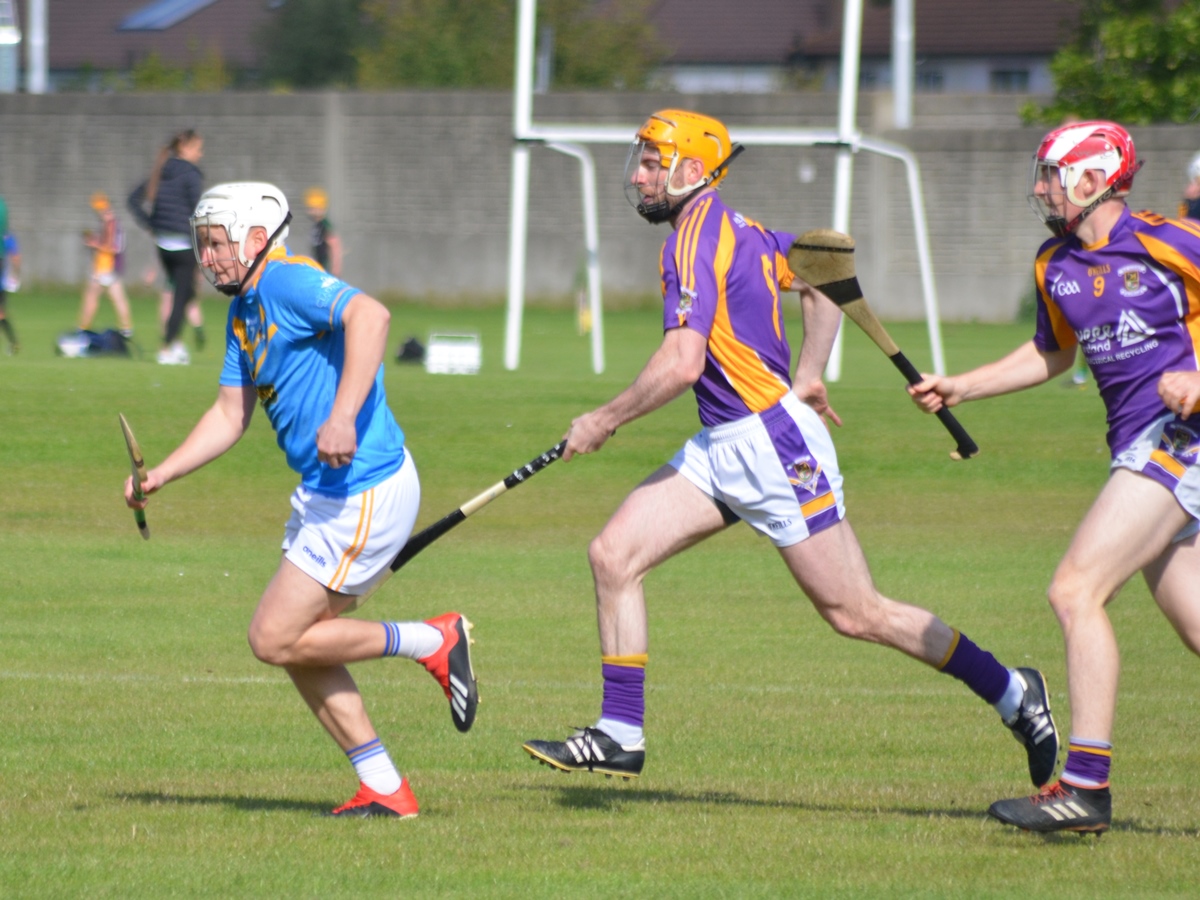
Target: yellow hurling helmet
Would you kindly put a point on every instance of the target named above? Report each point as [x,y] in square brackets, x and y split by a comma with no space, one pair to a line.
[676,135]
[316,198]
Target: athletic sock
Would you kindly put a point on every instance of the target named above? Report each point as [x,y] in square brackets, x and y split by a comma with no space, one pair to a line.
[1008,705]
[1088,763]
[413,640]
[12,338]
[623,712]
[374,767]
[975,668]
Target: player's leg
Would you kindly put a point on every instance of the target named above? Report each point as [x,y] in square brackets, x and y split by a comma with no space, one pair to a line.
[663,516]
[829,566]
[180,266]
[5,325]
[1131,523]
[795,499]
[1172,579]
[292,605]
[120,302]
[89,304]
[195,318]
[336,549]
[1127,529]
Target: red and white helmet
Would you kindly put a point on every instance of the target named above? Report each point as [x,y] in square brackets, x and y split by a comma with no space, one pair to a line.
[1069,151]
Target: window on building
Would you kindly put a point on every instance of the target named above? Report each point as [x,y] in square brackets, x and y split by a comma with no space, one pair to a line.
[1010,81]
[930,81]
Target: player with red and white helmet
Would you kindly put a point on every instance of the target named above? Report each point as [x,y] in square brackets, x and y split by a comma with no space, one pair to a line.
[1063,157]
[1124,287]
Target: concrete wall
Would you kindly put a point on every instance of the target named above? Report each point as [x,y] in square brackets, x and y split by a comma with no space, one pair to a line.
[419,185]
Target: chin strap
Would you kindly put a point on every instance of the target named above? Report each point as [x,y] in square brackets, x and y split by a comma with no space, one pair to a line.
[1060,227]
[662,210]
[234,288]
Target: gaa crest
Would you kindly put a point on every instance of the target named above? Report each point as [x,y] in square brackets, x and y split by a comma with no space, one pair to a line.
[804,475]
[686,299]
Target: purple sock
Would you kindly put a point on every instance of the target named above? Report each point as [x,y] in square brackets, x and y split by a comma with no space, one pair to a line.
[1088,763]
[975,668]
[624,694]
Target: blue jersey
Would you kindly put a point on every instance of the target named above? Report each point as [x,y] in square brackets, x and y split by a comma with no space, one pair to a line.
[285,338]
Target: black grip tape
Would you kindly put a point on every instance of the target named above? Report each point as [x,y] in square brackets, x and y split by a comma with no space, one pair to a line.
[842,292]
[966,446]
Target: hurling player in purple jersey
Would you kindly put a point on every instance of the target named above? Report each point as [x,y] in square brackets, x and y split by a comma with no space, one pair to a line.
[1125,287]
[764,456]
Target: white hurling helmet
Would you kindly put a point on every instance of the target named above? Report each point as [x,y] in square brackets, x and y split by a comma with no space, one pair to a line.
[238,207]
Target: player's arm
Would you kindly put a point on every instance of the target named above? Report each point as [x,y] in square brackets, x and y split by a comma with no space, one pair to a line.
[1180,391]
[674,367]
[1025,367]
[821,319]
[218,430]
[365,321]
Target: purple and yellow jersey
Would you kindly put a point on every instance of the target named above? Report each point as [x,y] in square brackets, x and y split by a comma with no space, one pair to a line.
[721,276]
[284,336]
[1132,303]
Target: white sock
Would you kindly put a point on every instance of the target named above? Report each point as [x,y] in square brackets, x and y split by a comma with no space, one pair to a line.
[414,640]
[1008,705]
[374,767]
[622,732]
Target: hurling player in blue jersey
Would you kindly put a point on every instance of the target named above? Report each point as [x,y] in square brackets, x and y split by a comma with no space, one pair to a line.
[310,348]
[1125,288]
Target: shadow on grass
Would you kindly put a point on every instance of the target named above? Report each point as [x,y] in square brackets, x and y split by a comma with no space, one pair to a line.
[244,804]
[608,797]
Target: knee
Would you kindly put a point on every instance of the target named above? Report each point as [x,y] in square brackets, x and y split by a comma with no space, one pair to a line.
[851,622]
[609,564]
[266,647]
[1065,595]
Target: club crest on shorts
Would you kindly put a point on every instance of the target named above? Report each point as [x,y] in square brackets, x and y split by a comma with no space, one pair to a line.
[804,475]
[1181,442]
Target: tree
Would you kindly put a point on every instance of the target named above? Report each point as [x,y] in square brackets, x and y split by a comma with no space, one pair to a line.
[1132,61]
[437,43]
[206,72]
[469,43]
[312,43]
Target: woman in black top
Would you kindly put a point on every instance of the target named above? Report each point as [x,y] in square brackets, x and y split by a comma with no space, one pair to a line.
[171,194]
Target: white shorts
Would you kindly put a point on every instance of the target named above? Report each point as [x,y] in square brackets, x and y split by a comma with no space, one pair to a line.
[1167,452]
[777,470]
[347,543]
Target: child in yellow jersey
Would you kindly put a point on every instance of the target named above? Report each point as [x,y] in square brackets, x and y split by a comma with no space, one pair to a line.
[108,250]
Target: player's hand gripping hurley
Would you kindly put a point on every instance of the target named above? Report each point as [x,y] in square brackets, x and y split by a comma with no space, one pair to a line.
[137,465]
[825,259]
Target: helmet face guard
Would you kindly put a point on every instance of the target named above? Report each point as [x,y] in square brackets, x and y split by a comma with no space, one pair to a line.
[223,220]
[669,137]
[1060,162]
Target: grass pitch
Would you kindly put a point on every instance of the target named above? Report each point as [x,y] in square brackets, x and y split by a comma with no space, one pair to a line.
[146,753]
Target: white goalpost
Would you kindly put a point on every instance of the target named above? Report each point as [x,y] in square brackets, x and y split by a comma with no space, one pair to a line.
[573,140]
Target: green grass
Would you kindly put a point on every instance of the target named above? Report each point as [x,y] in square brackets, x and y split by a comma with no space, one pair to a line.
[146,753]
